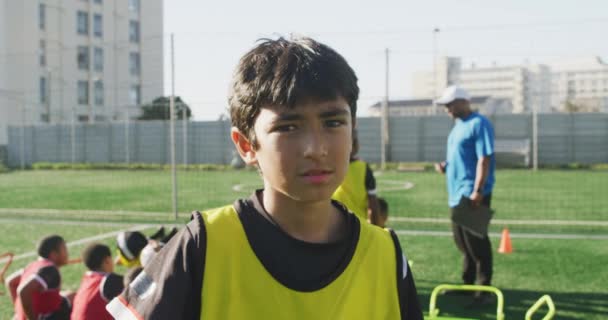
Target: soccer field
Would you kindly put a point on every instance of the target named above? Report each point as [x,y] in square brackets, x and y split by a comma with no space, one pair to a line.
[558,221]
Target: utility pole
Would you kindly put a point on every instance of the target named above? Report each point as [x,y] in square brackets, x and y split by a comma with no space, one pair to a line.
[384,118]
[434,91]
[172,123]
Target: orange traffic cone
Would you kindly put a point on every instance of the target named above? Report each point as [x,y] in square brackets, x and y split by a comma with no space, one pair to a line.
[505,242]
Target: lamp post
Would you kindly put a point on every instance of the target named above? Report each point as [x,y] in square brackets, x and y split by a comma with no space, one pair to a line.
[434,90]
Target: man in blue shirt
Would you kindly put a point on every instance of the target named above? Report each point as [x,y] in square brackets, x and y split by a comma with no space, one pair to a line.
[469,170]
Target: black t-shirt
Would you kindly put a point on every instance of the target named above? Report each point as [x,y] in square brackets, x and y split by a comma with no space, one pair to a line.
[172,282]
[51,277]
[111,286]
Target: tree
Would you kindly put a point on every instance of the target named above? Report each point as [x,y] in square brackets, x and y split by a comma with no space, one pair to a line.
[158,109]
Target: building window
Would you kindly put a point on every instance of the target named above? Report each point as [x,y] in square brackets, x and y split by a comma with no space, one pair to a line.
[82,57]
[97,25]
[83,92]
[42,53]
[82,23]
[135,95]
[134,5]
[43,90]
[134,31]
[134,63]
[42,16]
[98,89]
[98,59]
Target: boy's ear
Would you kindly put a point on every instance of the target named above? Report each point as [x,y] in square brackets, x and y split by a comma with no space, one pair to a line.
[243,146]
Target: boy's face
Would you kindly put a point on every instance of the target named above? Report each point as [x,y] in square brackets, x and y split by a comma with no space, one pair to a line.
[303,152]
[382,220]
[107,264]
[60,257]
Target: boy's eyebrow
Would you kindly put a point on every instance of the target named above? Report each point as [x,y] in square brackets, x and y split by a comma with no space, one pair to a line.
[288,116]
[334,113]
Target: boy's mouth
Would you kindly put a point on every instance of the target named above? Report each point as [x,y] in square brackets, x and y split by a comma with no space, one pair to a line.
[317,176]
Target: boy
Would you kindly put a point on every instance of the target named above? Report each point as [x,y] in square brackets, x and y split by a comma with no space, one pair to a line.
[383,212]
[98,286]
[130,244]
[358,190]
[38,292]
[135,250]
[288,251]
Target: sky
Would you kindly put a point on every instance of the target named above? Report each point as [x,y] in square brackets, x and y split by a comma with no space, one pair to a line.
[210,37]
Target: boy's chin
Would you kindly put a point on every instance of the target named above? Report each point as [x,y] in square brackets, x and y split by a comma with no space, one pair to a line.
[312,196]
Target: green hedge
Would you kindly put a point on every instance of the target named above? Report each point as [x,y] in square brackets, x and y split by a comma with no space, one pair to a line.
[398,166]
[124,166]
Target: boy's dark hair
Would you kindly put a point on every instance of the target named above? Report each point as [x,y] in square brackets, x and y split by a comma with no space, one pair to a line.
[355,149]
[383,206]
[131,275]
[49,244]
[285,73]
[94,255]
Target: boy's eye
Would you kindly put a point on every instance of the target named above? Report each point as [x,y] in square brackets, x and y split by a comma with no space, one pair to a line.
[334,123]
[284,128]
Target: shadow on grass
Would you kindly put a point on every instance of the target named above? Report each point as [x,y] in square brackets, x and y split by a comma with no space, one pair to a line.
[568,305]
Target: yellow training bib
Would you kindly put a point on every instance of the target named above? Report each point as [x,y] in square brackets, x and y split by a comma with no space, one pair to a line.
[352,192]
[236,285]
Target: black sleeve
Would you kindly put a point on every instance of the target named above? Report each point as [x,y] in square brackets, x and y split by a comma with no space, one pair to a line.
[170,286]
[370,180]
[51,277]
[408,298]
[111,286]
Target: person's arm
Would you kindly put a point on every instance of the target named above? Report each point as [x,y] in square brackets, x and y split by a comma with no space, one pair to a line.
[440,167]
[484,148]
[12,282]
[170,286]
[406,287]
[26,295]
[481,173]
[373,209]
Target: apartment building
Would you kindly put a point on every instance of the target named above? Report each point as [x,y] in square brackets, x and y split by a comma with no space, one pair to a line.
[580,84]
[81,60]
[528,87]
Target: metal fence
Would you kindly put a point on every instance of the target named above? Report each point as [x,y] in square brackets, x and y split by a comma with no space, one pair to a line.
[562,139]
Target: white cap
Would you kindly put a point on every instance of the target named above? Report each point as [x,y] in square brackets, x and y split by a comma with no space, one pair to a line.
[452,93]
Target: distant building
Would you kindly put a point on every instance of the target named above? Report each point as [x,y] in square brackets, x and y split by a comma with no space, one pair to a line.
[528,87]
[424,107]
[86,60]
[580,84]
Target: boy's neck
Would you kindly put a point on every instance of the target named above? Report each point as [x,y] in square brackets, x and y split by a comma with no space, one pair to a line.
[315,222]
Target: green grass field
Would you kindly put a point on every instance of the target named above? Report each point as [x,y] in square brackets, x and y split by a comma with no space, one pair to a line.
[572,271]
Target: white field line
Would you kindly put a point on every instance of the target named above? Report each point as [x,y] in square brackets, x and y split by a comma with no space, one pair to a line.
[393,185]
[591,223]
[69,222]
[83,241]
[80,213]
[513,235]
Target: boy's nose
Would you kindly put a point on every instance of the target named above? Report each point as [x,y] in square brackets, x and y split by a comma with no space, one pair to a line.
[315,145]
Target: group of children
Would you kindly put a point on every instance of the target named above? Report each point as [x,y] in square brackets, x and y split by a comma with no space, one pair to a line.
[36,290]
[299,248]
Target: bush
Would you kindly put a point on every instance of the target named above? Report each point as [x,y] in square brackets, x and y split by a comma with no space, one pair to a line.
[404,166]
[124,166]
